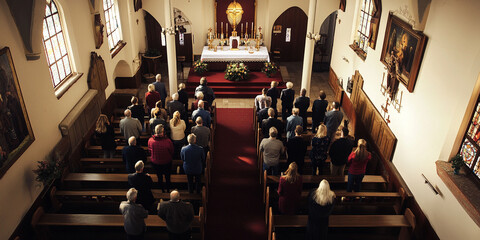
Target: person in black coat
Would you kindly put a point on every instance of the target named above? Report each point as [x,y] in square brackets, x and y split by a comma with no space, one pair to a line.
[287,96]
[272,121]
[263,113]
[106,136]
[132,154]
[273,93]
[138,110]
[143,183]
[320,206]
[183,95]
[319,108]
[296,149]
[339,152]
[302,103]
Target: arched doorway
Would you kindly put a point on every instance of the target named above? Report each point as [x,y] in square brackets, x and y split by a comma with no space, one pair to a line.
[323,48]
[293,21]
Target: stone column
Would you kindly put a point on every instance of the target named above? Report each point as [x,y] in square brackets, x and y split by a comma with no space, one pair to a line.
[309,48]
[171,53]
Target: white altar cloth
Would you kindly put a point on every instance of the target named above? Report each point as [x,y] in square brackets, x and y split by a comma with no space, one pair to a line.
[241,55]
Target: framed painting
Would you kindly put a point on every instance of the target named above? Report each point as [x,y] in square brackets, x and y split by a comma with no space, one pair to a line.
[407,47]
[16,134]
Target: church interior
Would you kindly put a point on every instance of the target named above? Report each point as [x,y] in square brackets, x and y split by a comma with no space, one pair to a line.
[401,80]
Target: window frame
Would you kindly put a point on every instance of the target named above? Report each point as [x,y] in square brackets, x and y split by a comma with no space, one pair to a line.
[362,29]
[473,126]
[113,10]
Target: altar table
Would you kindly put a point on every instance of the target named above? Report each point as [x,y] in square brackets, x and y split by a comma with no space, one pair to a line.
[217,61]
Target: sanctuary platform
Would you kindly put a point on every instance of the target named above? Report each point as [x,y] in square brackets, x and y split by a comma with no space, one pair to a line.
[227,89]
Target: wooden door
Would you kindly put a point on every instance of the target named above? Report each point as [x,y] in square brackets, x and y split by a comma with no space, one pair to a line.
[296,20]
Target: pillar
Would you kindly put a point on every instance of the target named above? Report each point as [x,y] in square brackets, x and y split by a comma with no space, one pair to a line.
[171,53]
[309,48]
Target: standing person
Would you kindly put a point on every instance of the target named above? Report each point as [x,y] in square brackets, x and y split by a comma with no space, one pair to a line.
[302,103]
[339,152]
[203,136]
[318,154]
[201,112]
[183,95]
[333,119]
[289,190]
[206,90]
[193,157]
[262,99]
[272,121]
[287,96]
[158,107]
[357,160]
[178,215]
[130,126]
[143,183]
[272,148]
[132,153]
[296,149]
[160,88]
[176,105]
[178,127]
[152,97]
[273,93]
[138,110]
[159,118]
[106,135]
[262,114]
[200,96]
[134,215]
[320,206]
[161,149]
[319,108]
[292,122]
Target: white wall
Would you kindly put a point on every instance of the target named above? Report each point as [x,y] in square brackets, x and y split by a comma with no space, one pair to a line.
[430,117]
[18,185]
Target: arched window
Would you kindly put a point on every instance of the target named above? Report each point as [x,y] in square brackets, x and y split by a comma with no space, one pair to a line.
[112,22]
[55,45]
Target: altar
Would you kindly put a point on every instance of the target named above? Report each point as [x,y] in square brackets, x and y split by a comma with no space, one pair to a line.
[218,60]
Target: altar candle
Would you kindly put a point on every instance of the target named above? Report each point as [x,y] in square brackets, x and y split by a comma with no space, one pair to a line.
[253,31]
[246,28]
[227,29]
[242,29]
[221,26]
[215,28]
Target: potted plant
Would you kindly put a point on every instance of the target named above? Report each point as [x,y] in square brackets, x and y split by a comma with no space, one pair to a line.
[48,170]
[457,162]
[200,67]
[152,53]
[269,68]
[236,72]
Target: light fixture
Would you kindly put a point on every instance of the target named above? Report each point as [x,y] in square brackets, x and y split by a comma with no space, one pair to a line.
[168,30]
[314,36]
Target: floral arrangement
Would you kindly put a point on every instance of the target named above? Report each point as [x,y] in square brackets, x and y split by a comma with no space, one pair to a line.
[236,72]
[200,67]
[48,170]
[269,68]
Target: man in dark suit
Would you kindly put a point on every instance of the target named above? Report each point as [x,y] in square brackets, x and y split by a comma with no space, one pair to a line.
[296,149]
[176,105]
[263,113]
[183,95]
[178,215]
[160,88]
[287,96]
[143,183]
[273,93]
[319,107]
[272,121]
[132,154]
[208,93]
[302,103]
[138,110]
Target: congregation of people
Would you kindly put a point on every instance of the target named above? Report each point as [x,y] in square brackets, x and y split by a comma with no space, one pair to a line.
[171,138]
[328,140]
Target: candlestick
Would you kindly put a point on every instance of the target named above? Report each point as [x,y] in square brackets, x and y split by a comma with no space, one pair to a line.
[227,30]
[242,30]
[253,30]
[221,26]
[246,29]
[215,28]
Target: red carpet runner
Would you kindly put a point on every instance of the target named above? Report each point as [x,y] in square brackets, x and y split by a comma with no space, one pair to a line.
[235,207]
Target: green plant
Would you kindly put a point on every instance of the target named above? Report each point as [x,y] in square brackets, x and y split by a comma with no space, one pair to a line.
[49,170]
[269,68]
[457,162]
[236,72]
[200,67]
[151,52]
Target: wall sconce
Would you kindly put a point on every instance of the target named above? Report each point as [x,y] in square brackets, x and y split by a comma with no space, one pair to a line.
[169,31]
[314,36]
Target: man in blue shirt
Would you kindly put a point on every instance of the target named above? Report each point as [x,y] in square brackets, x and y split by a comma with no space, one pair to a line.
[292,122]
[192,156]
[160,88]
[207,119]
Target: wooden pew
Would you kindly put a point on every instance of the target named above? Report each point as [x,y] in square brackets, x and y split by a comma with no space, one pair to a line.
[41,221]
[102,164]
[407,222]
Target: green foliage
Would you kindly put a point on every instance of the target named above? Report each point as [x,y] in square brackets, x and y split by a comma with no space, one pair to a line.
[236,72]
[151,52]
[200,67]
[49,170]
[269,68]
[457,161]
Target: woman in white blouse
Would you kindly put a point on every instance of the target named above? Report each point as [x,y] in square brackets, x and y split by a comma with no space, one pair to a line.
[177,127]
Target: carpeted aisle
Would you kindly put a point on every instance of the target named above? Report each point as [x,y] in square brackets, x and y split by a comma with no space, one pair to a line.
[235,207]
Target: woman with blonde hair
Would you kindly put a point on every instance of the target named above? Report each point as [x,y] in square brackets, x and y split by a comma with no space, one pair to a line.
[320,206]
[318,154]
[177,128]
[357,160]
[163,112]
[289,190]
[106,136]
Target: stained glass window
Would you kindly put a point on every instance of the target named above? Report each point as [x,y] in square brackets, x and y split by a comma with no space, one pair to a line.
[363,28]
[112,23]
[55,45]
[471,142]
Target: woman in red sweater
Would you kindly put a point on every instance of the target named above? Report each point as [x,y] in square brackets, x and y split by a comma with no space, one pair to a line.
[357,160]
[289,190]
